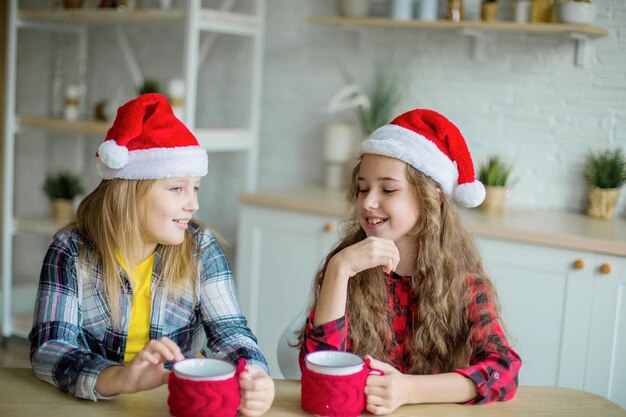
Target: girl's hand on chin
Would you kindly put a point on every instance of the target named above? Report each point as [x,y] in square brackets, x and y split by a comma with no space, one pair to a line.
[368,253]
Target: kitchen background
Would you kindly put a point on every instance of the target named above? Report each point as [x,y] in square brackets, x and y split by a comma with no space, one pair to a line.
[526,100]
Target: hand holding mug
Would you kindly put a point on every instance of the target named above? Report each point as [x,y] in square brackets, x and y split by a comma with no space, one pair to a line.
[257,391]
[143,373]
[385,393]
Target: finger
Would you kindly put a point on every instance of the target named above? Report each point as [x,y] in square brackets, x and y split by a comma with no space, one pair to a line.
[262,385]
[377,410]
[254,411]
[173,347]
[253,370]
[389,266]
[146,357]
[157,347]
[254,395]
[375,390]
[384,366]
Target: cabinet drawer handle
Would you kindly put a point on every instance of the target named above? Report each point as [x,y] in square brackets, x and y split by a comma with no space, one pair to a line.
[330,227]
[579,264]
[605,269]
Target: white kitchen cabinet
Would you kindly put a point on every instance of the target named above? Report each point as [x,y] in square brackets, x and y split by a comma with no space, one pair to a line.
[201,26]
[278,255]
[564,316]
[605,365]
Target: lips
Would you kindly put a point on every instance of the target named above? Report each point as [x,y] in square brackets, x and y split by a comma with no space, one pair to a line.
[182,223]
[375,222]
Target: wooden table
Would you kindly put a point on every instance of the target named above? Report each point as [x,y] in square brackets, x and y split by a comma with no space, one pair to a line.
[23,395]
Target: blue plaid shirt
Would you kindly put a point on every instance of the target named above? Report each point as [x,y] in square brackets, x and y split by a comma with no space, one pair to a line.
[73,339]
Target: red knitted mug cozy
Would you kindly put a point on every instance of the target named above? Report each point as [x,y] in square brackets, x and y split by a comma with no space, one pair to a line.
[335,395]
[189,398]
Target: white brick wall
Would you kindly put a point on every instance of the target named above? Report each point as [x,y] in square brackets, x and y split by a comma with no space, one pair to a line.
[526,101]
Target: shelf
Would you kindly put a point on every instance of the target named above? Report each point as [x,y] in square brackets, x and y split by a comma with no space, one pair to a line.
[210,139]
[547,28]
[101,16]
[209,20]
[476,29]
[87,127]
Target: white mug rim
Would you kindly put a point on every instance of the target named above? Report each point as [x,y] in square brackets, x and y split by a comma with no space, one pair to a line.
[333,369]
[181,373]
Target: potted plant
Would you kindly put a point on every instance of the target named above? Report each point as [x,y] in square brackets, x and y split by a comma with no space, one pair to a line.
[150,85]
[605,171]
[61,188]
[494,174]
[374,107]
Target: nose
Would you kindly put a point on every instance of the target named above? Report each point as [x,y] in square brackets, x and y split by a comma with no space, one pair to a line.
[192,203]
[370,200]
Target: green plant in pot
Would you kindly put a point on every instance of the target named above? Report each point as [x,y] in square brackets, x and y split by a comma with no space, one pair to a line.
[150,85]
[494,174]
[387,88]
[605,172]
[61,188]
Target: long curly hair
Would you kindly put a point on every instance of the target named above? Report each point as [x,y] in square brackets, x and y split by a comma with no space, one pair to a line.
[446,257]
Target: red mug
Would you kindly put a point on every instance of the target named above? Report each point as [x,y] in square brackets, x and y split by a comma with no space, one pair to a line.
[204,387]
[333,383]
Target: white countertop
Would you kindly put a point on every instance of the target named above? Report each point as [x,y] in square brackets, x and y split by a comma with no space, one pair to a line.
[544,227]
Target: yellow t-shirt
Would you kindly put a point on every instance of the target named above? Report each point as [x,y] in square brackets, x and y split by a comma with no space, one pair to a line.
[139,323]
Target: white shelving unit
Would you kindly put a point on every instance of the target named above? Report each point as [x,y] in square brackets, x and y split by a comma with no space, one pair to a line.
[195,20]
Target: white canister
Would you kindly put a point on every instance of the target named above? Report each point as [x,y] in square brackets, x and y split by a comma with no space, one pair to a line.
[72,94]
[522,11]
[402,9]
[353,8]
[176,97]
[427,10]
[339,139]
[338,142]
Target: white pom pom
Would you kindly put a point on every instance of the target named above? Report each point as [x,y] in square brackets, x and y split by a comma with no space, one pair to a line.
[470,194]
[113,155]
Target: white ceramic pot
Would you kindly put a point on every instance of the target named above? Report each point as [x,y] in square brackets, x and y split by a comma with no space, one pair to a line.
[576,12]
[353,8]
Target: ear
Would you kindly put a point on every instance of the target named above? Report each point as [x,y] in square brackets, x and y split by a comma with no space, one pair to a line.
[441,196]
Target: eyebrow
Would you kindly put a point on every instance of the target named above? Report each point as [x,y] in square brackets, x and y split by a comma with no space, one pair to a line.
[381,179]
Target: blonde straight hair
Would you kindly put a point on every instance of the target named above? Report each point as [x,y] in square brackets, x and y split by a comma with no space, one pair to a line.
[441,335]
[112,219]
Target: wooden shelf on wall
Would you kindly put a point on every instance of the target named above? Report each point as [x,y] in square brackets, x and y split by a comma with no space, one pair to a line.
[87,127]
[208,20]
[102,16]
[502,26]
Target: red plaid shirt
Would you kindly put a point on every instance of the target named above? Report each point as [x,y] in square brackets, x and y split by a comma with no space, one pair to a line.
[493,368]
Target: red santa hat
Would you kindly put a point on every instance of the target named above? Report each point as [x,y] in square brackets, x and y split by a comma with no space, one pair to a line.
[147,141]
[433,145]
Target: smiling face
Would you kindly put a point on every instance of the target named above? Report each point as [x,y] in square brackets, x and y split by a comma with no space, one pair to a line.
[386,204]
[170,204]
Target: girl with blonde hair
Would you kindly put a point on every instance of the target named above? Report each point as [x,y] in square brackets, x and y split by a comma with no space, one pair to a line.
[406,285]
[134,283]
